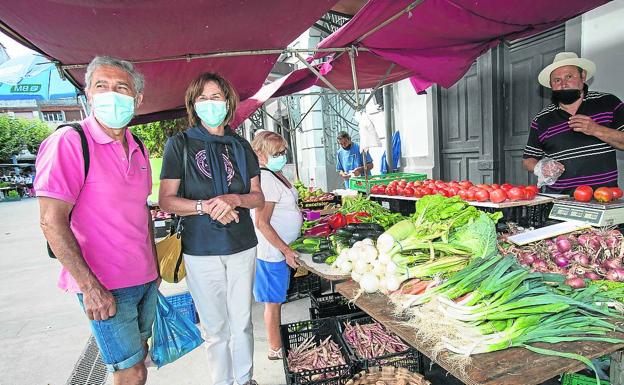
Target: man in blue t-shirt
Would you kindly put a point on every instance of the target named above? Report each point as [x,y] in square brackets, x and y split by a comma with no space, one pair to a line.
[349,159]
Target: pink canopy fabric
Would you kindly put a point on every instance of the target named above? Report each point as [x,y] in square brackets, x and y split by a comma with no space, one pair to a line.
[74,31]
[438,40]
[435,42]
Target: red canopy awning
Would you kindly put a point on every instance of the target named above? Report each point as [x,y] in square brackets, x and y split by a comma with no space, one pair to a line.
[159,32]
[428,41]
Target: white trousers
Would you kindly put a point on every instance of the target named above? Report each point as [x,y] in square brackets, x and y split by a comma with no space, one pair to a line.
[221,287]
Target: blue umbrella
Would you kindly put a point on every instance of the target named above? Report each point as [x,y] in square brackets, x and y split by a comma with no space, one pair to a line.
[32,77]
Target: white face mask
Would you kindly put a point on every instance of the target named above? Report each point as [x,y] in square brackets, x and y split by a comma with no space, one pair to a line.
[113,109]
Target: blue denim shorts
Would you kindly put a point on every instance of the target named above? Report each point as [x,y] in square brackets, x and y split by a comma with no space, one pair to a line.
[271,281]
[121,338]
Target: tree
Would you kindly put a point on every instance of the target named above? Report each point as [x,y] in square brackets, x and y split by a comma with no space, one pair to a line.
[15,133]
[155,134]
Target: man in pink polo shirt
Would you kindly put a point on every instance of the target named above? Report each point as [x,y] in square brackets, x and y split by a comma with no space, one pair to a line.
[98,224]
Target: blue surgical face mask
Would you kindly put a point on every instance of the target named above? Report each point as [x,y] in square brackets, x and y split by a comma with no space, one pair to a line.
[276,163]
[113,109]
[211,112]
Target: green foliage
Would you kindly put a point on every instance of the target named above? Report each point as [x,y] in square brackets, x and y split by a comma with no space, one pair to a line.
[13,194]
[155,134]
[17,132]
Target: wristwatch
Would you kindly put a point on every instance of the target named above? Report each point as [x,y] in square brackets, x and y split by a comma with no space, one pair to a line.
[199,206]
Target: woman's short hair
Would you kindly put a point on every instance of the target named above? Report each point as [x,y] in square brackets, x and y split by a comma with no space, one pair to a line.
[268,143]
[196,88]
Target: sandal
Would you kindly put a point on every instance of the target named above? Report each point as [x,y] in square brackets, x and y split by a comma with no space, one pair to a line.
[275,354]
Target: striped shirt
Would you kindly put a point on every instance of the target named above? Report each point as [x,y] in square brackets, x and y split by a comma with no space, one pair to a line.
[587,159]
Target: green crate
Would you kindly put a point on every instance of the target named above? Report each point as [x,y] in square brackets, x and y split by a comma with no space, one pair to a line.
[359,182]
[579,379]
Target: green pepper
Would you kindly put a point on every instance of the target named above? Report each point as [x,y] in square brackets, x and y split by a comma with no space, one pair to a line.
[331,259]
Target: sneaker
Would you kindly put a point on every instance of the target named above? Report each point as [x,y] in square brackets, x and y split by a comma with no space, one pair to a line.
[275,354]
[251,382]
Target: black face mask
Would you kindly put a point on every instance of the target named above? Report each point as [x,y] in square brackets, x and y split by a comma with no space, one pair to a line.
[348,147]
[565,96]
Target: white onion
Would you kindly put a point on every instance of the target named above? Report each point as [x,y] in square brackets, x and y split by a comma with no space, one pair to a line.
[385,242]
[392,282]
[378,267]
[391,268]
[383,285]
[384,258]
[346,267]
[368,241]
[356,276]
[361,266]
[369,283]
[368,252]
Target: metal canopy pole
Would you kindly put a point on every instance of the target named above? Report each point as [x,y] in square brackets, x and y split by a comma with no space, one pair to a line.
[324,80]
[380,83]
[388,114]
[355,81]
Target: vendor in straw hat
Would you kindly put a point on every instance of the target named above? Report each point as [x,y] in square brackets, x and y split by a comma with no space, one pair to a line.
[572,141]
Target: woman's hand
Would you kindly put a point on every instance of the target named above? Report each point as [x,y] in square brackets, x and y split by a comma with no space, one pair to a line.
[291,258]
[222,207]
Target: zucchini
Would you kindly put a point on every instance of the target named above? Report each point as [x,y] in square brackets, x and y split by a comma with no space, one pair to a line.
[307,249]
[369,226]
[343,233]
[321,256]
[362,234]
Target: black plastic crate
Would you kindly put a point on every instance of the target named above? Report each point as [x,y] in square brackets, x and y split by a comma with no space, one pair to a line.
[295,334]
[301,287]
[410,359]
[330,305]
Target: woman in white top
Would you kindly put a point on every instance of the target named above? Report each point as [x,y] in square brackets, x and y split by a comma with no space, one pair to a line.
[277,224]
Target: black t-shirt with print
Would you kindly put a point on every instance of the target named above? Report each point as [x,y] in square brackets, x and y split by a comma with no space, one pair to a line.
[201,235]
[587,159]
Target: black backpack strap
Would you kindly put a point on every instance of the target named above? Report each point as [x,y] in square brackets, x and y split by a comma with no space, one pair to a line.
[139,143]
[275,175]
[83,141]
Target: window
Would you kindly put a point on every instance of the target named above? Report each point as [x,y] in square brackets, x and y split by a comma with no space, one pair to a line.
[53,116]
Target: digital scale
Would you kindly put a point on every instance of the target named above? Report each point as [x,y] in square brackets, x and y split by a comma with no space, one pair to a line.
[593,213]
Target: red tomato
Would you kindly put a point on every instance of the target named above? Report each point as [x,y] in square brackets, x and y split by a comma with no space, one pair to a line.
[483,186]
[408,192]
[391,191]
[516,194]
[453,184]
[463,194]
[481,195]
[426,191]
[532,188]
[399,190]
[440,184]
[506,186]
[529,194]
[402,184]
[454,190]
[470,195]
[418,183]
[498,196]
[444,193]
[465,183]
[583,193]
[603,194]
[495,186]
[418,193]
[410,184]
[374,190]
[616,192]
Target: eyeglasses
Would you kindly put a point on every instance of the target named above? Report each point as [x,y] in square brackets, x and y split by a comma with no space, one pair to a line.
[566,78]
[283,152]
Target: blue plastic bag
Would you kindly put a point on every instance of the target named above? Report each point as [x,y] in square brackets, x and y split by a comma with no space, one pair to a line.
[173,335]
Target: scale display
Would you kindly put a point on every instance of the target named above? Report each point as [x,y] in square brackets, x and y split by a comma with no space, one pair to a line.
[595,214]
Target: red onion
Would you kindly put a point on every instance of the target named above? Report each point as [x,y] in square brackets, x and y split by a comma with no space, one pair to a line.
[583,239]
[620,273]
[549,243]
[612,242]
[581,258]
[529,259]
[575,282]
[612,275]
[594,243]
[539,264]
[611,264]
[592,275]
[562,261]
[563,244]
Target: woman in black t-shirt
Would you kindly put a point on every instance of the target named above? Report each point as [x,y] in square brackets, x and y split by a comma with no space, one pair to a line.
[214,196]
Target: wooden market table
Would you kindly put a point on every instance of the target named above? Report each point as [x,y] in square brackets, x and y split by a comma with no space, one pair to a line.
[322,270]
[514,366]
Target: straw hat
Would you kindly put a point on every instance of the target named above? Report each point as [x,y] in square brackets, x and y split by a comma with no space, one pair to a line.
[566,59]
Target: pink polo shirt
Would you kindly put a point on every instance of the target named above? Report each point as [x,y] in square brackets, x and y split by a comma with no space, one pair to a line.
[110,216]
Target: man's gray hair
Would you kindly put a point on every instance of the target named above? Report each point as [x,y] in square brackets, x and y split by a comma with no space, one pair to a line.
[344,135]
[98,61]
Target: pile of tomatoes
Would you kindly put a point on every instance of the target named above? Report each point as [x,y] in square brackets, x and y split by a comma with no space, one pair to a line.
[602,194]
[465,189]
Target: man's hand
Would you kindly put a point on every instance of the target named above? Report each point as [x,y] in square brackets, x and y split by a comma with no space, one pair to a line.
[291,256]
[219,207]
[357,171]
[99,303]
[230,217]
[344,175]
[584,124]
[552,169]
